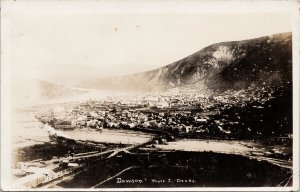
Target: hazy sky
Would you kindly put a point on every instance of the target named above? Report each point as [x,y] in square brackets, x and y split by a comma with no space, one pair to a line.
[56,44]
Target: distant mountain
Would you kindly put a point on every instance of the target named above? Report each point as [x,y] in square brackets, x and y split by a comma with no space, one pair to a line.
[227,65]
[34,89]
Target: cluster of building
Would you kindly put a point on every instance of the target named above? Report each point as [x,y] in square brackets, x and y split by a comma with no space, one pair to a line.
[178,111]
[38,172]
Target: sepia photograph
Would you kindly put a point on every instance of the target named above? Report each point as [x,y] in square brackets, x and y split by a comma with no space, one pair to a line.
[150,95]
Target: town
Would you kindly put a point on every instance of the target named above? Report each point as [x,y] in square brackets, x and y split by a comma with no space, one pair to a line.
[156,119]
[182,113]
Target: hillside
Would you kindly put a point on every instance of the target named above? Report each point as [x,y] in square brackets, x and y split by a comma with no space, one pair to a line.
[238,64]
[34,89]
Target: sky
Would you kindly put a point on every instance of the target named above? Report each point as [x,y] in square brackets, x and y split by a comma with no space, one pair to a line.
[67,43]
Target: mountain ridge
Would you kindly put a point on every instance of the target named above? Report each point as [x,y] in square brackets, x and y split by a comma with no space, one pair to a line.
[232,64]
[36,89]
